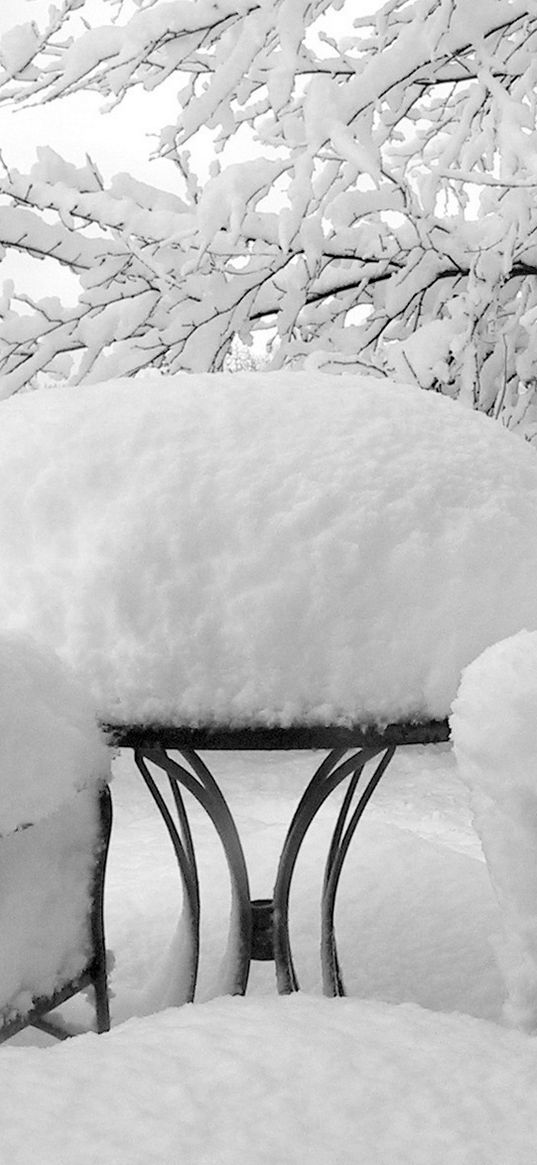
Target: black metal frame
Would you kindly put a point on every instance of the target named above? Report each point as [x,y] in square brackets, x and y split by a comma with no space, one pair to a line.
[94,975]
[260,929]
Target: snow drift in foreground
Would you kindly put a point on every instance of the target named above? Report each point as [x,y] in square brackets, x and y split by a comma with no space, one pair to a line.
[264,548]
[267,1081]
[50,742]
[494,730]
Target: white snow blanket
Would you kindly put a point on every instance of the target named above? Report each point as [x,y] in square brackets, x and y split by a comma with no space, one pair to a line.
[494,729]
[264,548]
[300,1081]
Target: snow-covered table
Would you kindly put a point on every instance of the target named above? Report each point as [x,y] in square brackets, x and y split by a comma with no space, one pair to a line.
[265,560]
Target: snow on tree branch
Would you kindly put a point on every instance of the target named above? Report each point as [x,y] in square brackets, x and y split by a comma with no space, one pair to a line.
[385,218]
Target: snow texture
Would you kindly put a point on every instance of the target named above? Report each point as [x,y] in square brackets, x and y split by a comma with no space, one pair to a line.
[264,548]
[494,728]
[50,742]
[268,1081]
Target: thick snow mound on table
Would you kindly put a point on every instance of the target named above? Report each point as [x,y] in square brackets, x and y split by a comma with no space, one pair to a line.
[494,730]
[264,548]
[50,742]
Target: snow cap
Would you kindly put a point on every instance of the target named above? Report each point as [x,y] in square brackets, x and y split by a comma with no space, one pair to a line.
[271,548]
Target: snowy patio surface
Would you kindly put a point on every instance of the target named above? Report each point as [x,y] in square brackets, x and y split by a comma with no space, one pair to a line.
[413,1068]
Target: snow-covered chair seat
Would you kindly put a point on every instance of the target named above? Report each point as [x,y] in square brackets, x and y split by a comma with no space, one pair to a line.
[55,820]
[264,560]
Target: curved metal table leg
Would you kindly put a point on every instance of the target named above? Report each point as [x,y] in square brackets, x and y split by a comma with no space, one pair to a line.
[328,776]
[331,972]
[200,783]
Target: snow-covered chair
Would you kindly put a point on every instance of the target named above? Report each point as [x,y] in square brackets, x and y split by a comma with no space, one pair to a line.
[279,561]
[493,725]
[55,819]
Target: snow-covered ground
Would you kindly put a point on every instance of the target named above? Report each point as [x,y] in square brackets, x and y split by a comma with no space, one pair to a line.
[413,1067]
